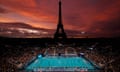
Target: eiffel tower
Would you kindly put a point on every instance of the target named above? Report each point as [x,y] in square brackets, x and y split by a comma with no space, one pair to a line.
[60,33]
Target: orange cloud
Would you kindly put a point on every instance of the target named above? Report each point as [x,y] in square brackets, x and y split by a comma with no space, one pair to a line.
[29,10]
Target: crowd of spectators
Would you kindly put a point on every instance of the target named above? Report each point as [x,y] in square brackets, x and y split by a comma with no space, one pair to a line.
[102,55]
[15,57]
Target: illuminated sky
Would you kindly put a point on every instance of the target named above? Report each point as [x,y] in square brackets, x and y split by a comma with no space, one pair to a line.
[96,17]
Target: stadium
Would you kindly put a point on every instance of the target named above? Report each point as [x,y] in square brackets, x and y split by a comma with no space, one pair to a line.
[25,48]
[81,55]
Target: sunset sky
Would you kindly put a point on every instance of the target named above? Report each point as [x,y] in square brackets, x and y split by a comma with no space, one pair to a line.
[96,17]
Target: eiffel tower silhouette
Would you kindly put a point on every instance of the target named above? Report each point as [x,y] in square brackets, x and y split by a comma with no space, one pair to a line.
[60,33]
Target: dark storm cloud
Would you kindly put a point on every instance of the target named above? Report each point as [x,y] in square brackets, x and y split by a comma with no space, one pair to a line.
[113,25]
[2,10]
[106,28]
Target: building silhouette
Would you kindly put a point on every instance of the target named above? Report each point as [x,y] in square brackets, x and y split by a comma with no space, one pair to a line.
[60,33]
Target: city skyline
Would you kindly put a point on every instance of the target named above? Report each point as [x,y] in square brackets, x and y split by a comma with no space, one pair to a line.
[95,18]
